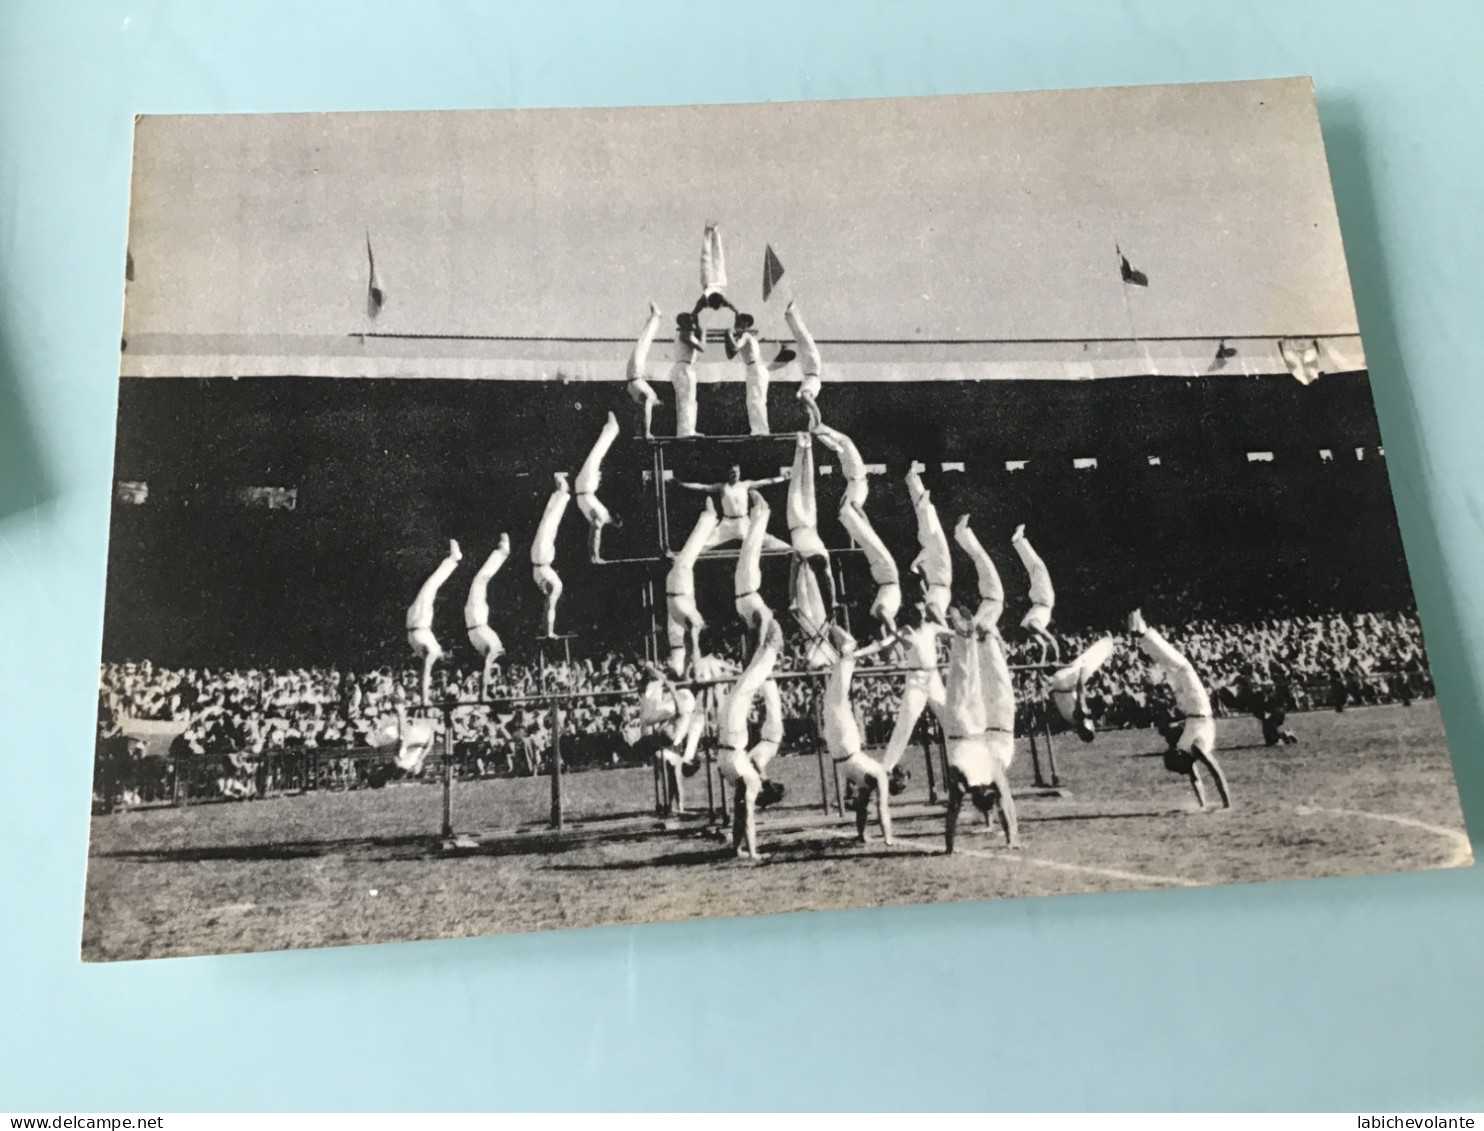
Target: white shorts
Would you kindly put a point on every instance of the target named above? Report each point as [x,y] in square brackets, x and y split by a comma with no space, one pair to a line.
[545,577]
[888,601]
[763,753]
[929,680]
[729,529]
[860,767]
[810,385]
[806,540]
[1038,619]
[751,607]
[736,766]
[423,642]
[978,756]
[681,608]
[485,642]
[938,598]
[1066,704]
[988,613]
[593,510]
[855,492]
[1197,732]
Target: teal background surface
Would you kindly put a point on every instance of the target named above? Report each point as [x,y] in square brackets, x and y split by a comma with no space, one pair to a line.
[1356,994]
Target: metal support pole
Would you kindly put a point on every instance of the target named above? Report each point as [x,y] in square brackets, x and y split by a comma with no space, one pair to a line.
[706,745]
[721,795]
[1043,697]
[447,773]
[1035,756]
[927,758]
[556,766]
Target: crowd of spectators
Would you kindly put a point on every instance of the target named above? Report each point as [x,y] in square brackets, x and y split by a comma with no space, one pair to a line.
[319,723]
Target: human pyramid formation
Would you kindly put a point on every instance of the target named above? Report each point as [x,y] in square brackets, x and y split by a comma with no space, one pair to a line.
[975,706]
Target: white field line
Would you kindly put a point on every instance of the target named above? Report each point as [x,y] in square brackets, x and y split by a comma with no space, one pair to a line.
[1010,857]
[1463,851]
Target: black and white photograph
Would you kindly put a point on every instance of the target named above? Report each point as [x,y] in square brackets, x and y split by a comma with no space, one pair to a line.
[534,519]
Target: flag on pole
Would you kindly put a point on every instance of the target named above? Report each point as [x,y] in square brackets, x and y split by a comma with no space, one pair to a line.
[772,271]
[1130,274]
[1223,351]
[375,299]
[1302,359]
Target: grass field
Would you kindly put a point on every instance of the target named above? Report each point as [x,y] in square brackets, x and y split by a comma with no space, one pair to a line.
[1364,791]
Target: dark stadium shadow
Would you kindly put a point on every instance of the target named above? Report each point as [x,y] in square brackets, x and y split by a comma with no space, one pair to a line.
[1355,200]
[283,850]
[1142,815]
[833,849]
[24,480]
[709,855]
[1220,750]
[554,843]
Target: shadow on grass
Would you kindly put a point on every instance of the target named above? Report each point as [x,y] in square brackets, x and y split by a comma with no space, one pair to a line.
[1143,815]
[282,850]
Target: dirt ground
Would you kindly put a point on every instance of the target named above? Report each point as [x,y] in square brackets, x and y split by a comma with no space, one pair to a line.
[1365,791]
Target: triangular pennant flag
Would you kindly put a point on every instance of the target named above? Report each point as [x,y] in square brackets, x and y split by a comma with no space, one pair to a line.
[375,299]
[1302,359]
[1223,351]
[1130,274]
[772,271]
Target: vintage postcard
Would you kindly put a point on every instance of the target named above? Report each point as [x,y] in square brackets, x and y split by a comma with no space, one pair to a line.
[538,519]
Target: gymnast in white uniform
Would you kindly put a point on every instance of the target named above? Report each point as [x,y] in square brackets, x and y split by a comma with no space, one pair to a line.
[842,735]
[803,519]
[1043,597]
[991,590]
[1195,746]
[742,339]
[1068,688]
[934,561]
[585,488]
[924,685]
[713,274]
[477,613]
[673,714]
[806,602]
[747,579]
[733,757]
[980,729]
[683,619]
[852,466]
[543,549]
[809,361]
[883,567]
[420,618]
[683,374]
[640,391]
[735,496]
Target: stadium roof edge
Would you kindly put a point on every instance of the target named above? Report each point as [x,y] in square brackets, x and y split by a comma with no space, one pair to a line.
[605,359]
